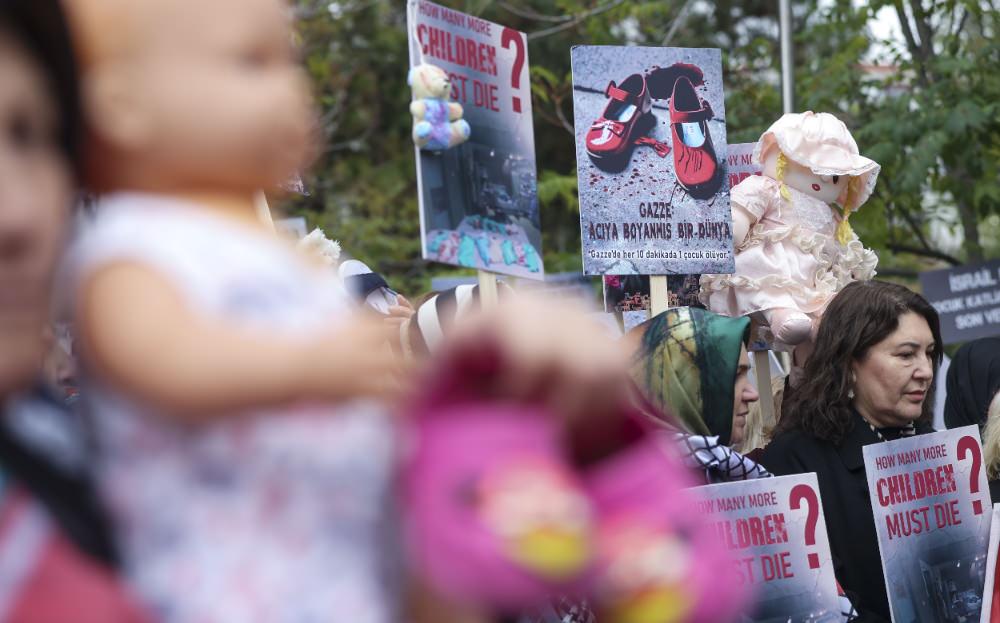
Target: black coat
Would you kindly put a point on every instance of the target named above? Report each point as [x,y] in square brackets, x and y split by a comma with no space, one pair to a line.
[847,508]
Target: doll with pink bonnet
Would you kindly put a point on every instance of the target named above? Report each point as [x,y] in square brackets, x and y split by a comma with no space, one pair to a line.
[795,248]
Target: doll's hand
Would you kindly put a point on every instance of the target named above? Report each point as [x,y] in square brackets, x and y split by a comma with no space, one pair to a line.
[539,350]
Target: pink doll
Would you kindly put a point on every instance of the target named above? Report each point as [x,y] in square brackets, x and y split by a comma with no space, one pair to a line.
[794,247]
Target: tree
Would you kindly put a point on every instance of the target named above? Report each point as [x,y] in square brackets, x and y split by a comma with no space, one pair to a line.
[932,121]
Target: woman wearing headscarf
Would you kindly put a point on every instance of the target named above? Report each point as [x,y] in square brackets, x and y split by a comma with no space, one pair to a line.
[693,365]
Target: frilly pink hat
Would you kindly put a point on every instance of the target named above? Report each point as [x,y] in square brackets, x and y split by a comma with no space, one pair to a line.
[822,143]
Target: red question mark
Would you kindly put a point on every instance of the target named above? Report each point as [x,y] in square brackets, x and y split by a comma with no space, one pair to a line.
[807,493]
[508,37]
[965,445]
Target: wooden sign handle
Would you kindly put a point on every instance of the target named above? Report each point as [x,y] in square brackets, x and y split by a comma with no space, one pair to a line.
[263,210]
[762,372]
[488,290]
[659,298]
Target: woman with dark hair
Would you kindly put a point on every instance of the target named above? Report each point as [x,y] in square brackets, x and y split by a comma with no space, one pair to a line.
[869,380]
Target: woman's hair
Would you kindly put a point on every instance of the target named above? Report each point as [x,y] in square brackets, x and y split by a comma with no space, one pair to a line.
[40,27]
[863,314]
[991,439]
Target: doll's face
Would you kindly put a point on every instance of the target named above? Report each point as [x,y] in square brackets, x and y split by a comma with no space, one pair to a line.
[35,190]
[826,188]
[205,94]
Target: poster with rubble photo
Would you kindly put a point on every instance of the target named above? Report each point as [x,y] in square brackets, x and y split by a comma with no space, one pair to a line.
[777,532]
[623,293]
[651,152]
[478,198]
[932,516]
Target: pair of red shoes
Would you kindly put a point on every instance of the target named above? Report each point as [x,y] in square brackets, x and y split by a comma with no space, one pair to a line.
[628,116]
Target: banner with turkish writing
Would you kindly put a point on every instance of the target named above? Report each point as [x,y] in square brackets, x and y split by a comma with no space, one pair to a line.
[651,154]
[476,174]
[776,530]
[932,513]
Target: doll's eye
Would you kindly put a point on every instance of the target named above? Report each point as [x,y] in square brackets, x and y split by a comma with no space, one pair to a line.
[836,178]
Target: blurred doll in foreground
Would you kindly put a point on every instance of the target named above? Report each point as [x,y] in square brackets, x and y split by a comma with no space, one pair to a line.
[247,468]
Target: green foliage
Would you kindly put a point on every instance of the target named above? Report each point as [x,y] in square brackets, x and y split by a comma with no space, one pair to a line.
[933,122]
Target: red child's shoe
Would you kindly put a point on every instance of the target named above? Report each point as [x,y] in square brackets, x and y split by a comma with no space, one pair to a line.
[612,136]
[695,163]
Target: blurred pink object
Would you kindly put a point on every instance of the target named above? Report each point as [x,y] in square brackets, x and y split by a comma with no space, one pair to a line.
[496,516]
[659,561]
[507,510]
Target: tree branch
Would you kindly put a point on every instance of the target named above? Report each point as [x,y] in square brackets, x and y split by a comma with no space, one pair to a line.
[938,255]
[911,42]
[923,29]
[678,22]
[529,14]
[562,118]
[538,34]
[897,272]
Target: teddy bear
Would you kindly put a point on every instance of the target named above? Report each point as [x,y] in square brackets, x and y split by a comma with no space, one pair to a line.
[794,246]
[437,122]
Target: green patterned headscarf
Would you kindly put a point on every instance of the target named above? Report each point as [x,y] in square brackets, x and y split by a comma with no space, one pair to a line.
[686,364]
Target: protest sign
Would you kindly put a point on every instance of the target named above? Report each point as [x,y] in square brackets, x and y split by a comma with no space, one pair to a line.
[624,293]
[967,298]
[740,164]
[777,531]
[651,155]
[479,200]
[932,515]
[991,600]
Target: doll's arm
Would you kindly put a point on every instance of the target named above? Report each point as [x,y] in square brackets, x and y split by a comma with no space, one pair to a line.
[418,109]
[137,332]
[454,111]
[743,222]
[750,201]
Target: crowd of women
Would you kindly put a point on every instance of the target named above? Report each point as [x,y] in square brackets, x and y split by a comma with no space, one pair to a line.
[73,551]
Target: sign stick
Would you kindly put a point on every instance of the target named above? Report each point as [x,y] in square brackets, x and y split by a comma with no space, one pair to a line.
[659,299]
[263,210]
[487,289]
[762,372]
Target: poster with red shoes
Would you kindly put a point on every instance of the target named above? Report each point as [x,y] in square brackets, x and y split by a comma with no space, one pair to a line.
[651,155]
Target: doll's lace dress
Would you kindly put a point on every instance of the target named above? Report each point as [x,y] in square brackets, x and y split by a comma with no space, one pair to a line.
[791,257]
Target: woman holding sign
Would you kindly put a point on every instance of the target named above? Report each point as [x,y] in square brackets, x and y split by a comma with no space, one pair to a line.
[870,380]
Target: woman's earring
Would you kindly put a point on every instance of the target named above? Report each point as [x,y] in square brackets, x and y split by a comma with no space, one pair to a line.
[850,393]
